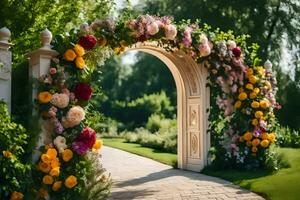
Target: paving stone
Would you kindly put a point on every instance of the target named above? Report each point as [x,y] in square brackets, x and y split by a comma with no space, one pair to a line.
[136,177]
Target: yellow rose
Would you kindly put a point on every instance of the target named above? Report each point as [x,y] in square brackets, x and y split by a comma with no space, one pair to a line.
[43,193]
[255,104]
[16,196]
[249,86]
[238,104]
[249,72]
[44,97]
[259,114]
[79,62]
[272,137]
[260,70]
[56,185]
[264,104]
[255,142]
[256,90]
[98,144]
[265,143]
[48,180]
[254,122]
[55,171]
[55,163]
[71,182]
[52,153]
[253,95]
[117,50]
[264,136]
[67,155]
[248,136]
[252,79]
[69,55]
[46,158]
[268,84]
[44,167]
[79,50]
[242,96]
[254,149]
[241,90]
[7,154]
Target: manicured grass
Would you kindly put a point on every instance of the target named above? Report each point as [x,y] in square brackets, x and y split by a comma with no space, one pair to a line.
[166,158]
[282,185]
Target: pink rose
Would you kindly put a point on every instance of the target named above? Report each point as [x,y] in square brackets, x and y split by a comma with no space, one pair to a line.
[152,28]
[170,31]
[204,49]
[53,70]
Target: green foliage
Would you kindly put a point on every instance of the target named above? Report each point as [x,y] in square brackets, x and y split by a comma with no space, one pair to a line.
[14,171]
[287,137]
[135,113]
[161,134]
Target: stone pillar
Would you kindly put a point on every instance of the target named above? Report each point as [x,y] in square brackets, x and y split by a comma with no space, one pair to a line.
[39,65]
[5,67]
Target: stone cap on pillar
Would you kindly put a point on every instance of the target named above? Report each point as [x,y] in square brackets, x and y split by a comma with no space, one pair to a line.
[4,38]
[45,50]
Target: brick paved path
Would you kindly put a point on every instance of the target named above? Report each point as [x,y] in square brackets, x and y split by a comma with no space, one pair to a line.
[136,177]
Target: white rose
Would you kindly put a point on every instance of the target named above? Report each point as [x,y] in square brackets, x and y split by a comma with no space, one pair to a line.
[60,143]
[170,31]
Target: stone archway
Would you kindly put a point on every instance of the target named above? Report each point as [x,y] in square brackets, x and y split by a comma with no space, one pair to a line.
[192,104]
[193,99]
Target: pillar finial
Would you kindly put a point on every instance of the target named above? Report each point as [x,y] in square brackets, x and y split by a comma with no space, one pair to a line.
[46,38]
[5,35]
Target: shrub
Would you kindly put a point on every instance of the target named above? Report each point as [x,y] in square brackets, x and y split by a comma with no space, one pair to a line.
[14,172]
[164,138]
[286,137]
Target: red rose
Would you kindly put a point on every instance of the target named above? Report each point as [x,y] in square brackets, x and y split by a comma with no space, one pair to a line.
[236,52]
[88,41]
[88,137]
[83,91]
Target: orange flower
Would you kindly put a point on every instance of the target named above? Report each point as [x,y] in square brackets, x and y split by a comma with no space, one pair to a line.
[255,142]
[16,196]
[252,79]
[80,64]
[55,163]
[67,155]
[254,122]
[46,158]
[265,143]
[98,144]
[69,55]
[249,86]
[56,185]
[44,167]
[256,90]
[44,97]
[52,153]
[48,180]
[71,182]
[242,96]
[253,95]
[272,137]
[259,114]
[7,154]
[238,104]
[55,171]
[264,104]
[254,149]
[255,104]
[79,50]
[248,136]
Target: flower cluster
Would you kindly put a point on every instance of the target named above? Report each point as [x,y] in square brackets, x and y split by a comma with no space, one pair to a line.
[49,165]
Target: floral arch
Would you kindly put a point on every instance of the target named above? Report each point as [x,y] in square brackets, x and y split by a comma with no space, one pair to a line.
[225,97]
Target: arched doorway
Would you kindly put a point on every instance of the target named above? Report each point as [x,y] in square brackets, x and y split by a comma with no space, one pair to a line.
[192,104]
[193,99]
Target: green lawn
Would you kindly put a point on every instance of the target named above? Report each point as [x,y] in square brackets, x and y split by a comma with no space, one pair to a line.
[282,185]
[166,158]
